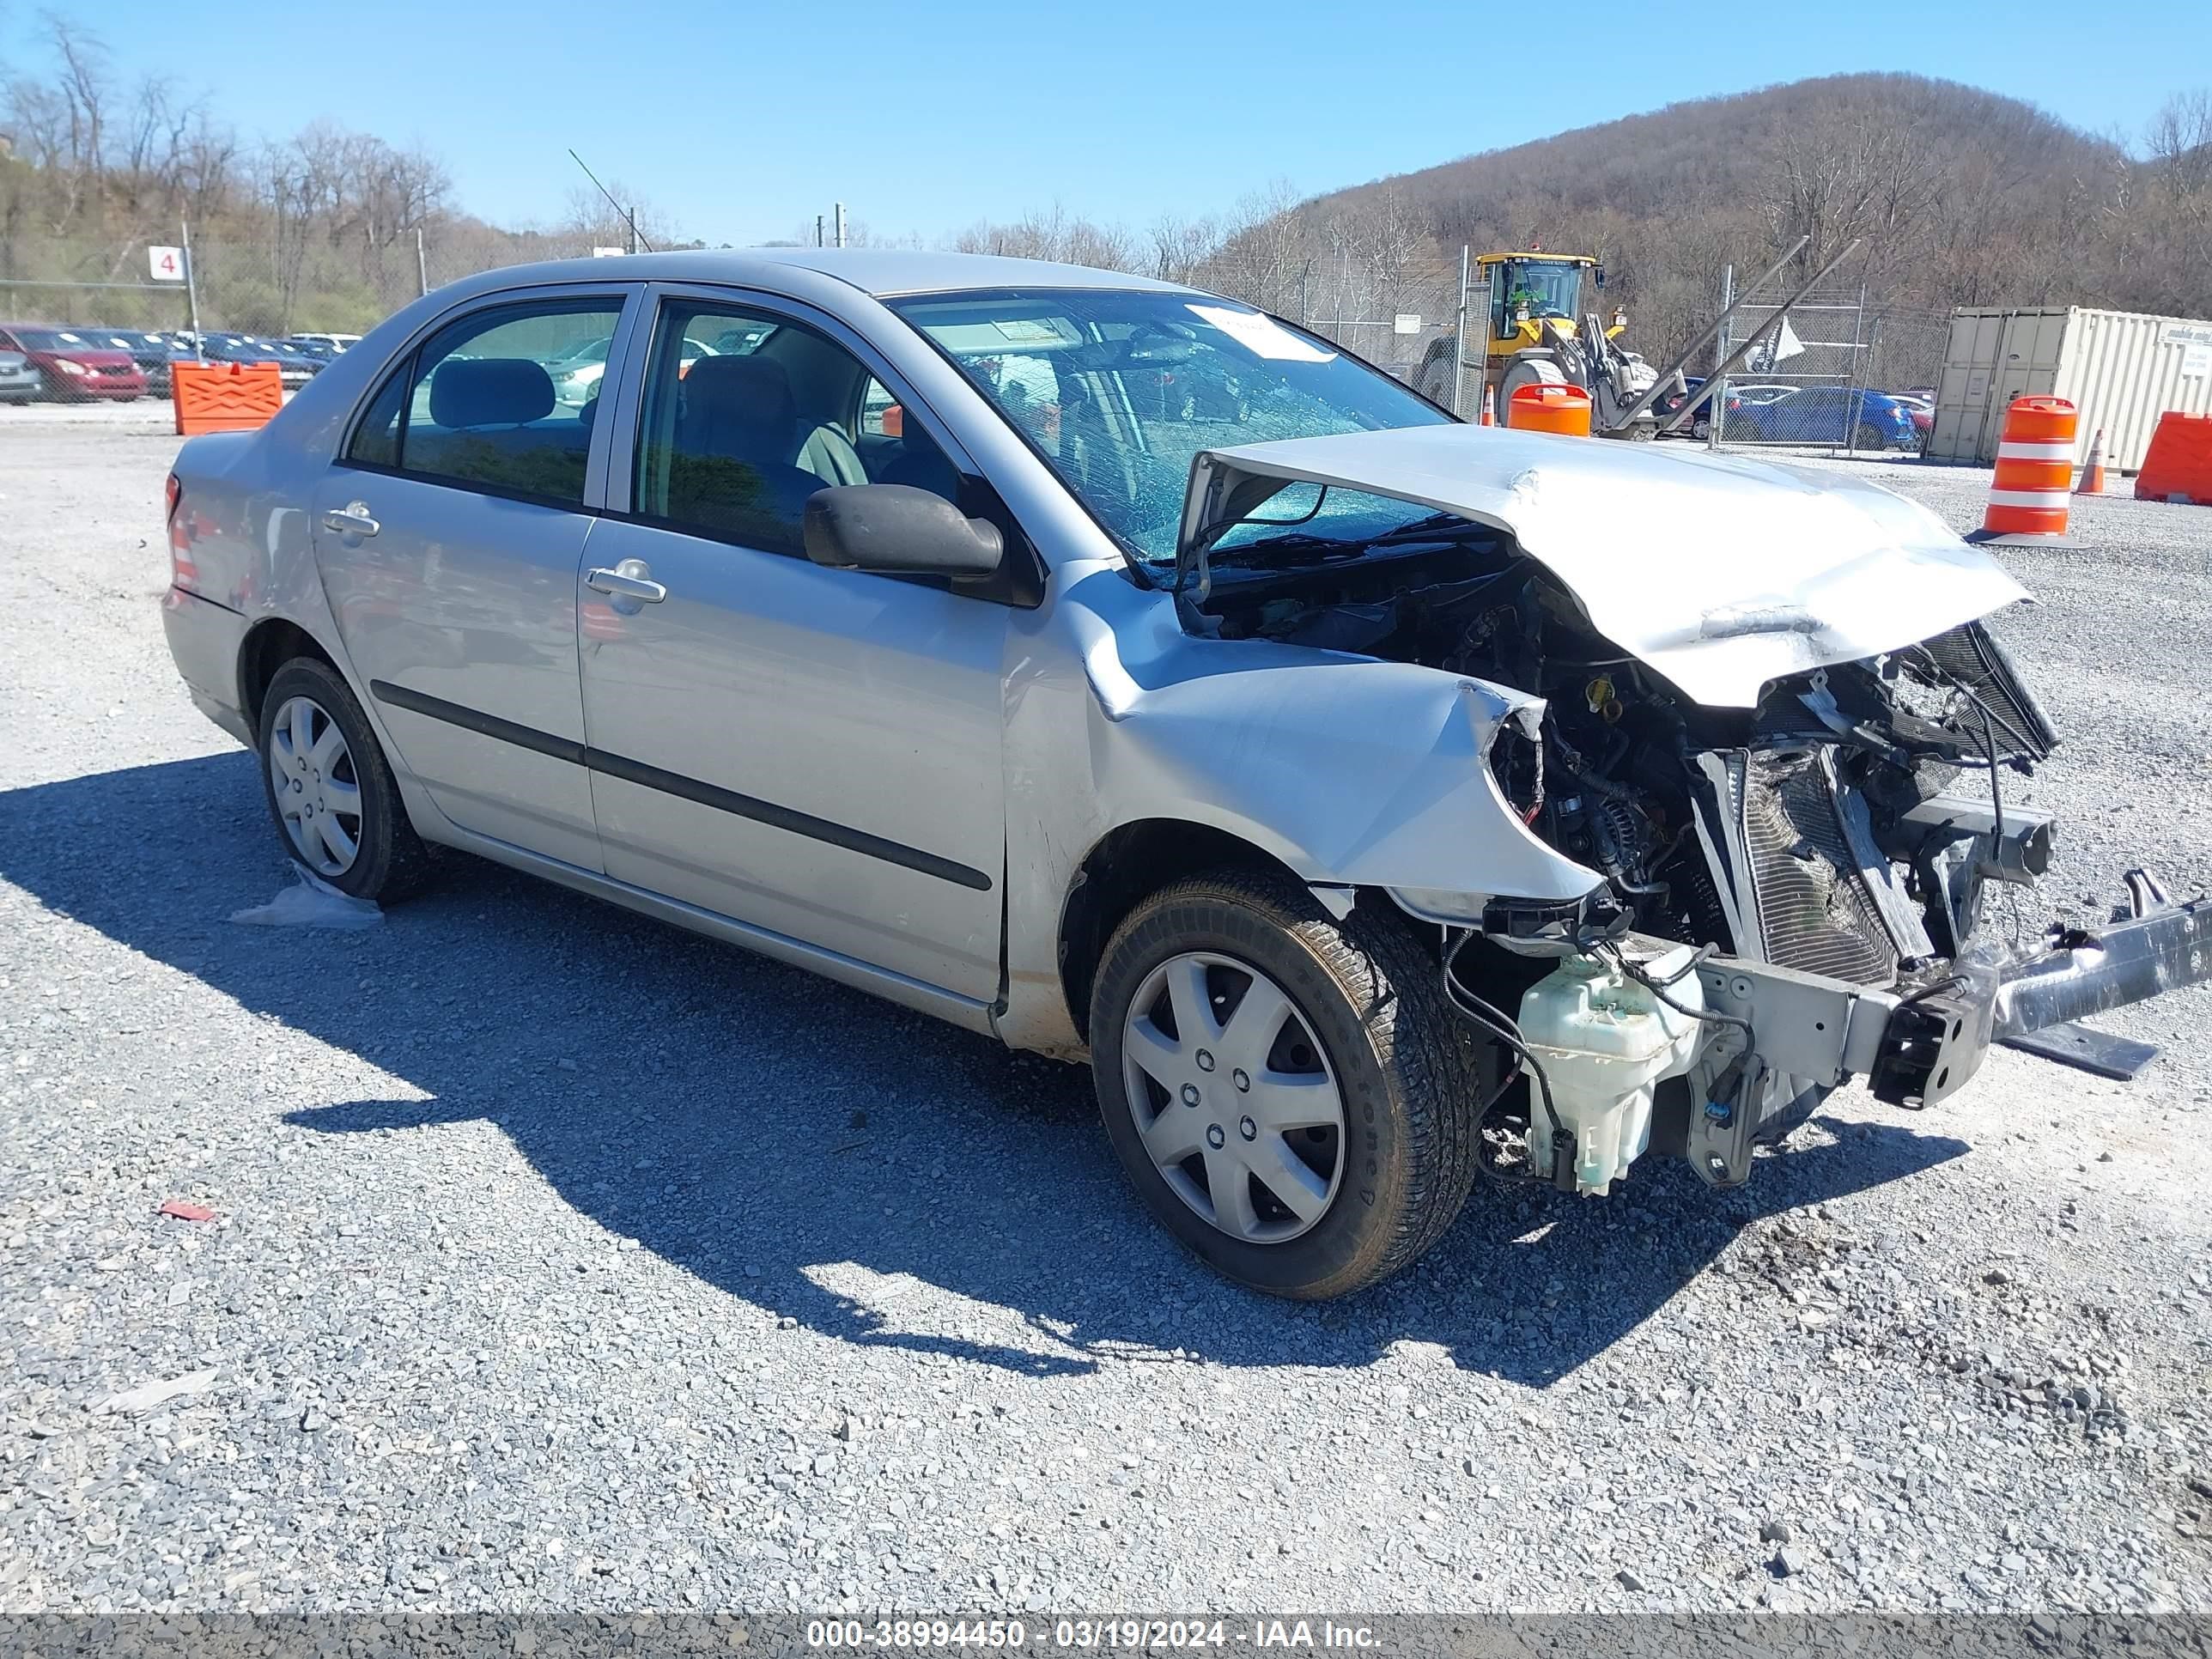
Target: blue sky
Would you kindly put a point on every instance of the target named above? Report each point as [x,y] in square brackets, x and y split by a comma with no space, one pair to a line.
[742,121]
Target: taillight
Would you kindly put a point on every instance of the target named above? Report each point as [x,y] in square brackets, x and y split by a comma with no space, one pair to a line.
[183,572]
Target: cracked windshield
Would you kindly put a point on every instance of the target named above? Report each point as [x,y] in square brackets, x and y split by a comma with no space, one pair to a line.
[1119,390]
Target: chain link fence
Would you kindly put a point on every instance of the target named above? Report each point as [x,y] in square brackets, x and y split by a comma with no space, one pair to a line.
[81,301]
[1386,311]
[1815,383]
[1830,372]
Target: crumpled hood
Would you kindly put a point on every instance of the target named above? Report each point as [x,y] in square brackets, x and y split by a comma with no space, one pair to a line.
[1722,572]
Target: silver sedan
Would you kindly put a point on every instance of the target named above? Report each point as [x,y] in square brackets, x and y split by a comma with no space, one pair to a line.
[1120,672]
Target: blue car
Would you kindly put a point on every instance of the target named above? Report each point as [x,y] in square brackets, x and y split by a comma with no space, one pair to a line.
[1828,415]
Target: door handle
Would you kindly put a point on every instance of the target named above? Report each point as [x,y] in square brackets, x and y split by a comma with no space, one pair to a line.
[351,519]
[627,580]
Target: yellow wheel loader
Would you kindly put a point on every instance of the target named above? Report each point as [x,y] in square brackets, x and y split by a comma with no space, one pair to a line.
[1539,322]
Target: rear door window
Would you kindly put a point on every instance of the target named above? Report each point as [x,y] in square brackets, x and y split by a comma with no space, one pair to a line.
[502,400]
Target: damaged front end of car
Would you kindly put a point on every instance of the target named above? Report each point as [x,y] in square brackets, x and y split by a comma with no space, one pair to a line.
[1761,707]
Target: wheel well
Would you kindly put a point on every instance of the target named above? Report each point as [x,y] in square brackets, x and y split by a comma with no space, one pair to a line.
[1127,864]
[268,647]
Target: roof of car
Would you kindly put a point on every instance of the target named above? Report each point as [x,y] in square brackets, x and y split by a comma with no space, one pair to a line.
[879,271]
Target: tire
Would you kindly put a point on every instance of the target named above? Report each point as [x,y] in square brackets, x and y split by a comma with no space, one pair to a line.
[1407,1077]
[346,782]
[1437,377]
[1868,436]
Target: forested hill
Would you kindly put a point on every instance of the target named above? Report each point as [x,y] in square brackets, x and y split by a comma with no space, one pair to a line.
[1963,196]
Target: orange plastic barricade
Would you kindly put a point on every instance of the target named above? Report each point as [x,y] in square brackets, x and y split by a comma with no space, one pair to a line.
[2177,467]
[224,397]
[2035,472]
[1549,408]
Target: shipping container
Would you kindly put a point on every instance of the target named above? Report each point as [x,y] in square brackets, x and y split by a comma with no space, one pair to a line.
[2120,368]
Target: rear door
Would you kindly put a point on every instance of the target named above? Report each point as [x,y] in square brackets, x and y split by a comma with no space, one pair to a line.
[449,535]
[814,751]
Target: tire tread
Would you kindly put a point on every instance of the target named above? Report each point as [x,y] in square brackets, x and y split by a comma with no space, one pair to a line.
[1430,1064]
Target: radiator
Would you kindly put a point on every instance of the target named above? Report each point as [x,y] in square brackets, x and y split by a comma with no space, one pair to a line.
[1815,911]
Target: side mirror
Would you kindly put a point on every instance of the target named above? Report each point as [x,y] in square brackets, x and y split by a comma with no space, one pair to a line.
[1600,273]
[895,530]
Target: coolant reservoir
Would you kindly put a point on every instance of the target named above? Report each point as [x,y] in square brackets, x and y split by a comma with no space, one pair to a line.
[1605,1042]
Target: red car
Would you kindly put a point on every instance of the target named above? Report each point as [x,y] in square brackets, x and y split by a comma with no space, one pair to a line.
[74,369]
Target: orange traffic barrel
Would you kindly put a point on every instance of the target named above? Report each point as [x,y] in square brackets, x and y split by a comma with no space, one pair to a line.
[1547,407]
[224,397]
[2035,472]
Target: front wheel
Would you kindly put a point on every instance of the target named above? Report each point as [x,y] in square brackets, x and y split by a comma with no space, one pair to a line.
[1290,1094]
[1869,437]
[330,789]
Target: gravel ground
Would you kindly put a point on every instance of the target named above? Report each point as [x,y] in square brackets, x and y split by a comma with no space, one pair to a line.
[563,1260]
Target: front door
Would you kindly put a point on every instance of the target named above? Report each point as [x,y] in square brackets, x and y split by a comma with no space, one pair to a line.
[813,751]
[449,535]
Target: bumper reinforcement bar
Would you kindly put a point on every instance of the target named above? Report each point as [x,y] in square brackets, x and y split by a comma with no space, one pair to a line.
[2127,962]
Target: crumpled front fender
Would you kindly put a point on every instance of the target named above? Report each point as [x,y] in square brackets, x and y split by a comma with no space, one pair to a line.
[1349,770]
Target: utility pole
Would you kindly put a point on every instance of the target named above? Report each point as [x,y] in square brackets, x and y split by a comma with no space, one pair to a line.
[422,263]
[631,214]
[841,224]
[1718,417]
[818,230]
[1459,342]
[192,288]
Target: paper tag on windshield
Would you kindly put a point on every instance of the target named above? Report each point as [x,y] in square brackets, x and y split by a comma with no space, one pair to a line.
[1262,335]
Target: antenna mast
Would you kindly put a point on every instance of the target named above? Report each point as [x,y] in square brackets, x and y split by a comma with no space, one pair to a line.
[629,218]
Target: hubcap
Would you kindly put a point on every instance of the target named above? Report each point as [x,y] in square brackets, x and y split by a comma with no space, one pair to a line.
[318,794]
[1233,1097]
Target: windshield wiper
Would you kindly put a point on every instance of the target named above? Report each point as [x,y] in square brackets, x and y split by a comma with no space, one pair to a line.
[1304,547]
[1298,547]
[1436,527]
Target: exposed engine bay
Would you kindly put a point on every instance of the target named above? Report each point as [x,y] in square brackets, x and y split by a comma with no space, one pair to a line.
[1812,833]
[1755,709]
[1793,832]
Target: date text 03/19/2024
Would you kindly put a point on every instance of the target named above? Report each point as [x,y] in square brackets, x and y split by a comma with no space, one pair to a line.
[1086,1634]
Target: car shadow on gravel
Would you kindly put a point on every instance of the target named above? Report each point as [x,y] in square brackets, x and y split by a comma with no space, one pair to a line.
[824,1156]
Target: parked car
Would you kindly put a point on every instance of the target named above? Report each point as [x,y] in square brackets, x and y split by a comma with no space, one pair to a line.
[1670,401]
[18,379]
[1751,394]
[1336,778]
[576,374]
[1923,411]
[294,367]
[310,346]
[152,352]
[331,343]
[1829,415]
[72,366]
[1734,396]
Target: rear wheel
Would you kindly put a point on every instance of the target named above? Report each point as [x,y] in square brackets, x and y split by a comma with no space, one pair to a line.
[329,790]
[1290,1094]
[1868,436]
